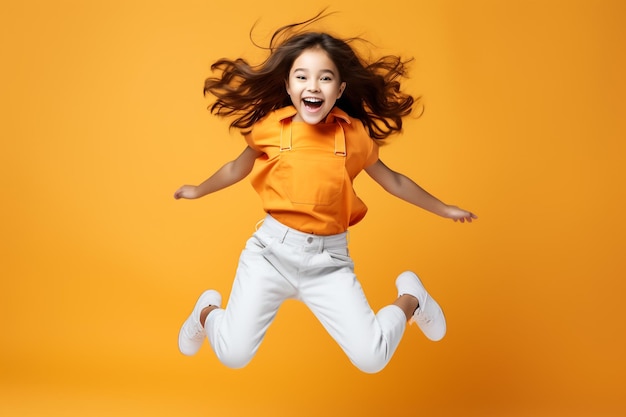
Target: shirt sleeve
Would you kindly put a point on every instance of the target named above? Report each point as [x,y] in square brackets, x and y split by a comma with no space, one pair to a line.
[249,138]
[372,155]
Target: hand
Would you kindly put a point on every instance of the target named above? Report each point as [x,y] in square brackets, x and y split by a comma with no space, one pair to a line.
[457,214]
[187,191]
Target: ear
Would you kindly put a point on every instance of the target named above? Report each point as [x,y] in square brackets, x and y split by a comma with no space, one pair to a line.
[287,87]
[342,88]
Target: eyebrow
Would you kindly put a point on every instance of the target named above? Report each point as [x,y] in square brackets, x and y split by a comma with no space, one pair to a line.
[322,71]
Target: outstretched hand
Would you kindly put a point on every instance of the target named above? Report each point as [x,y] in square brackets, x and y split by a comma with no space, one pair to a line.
[458,214]
[186,191]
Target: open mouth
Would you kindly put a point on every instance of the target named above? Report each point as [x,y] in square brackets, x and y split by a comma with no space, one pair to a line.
[313,104]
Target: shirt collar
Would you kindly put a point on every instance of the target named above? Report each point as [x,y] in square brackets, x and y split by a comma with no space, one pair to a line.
[290,111]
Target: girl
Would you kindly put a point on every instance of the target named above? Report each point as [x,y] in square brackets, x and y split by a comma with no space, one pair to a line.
[311,116]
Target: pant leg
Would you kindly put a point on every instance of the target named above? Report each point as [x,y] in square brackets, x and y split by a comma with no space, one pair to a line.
[236,332]
[333,293]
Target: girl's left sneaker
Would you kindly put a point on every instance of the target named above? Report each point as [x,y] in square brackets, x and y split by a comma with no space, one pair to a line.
[428,316]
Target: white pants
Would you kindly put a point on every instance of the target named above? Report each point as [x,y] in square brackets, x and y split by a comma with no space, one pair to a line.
[280,263]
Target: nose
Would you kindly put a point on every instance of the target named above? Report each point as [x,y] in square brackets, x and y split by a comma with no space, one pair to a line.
[313,86]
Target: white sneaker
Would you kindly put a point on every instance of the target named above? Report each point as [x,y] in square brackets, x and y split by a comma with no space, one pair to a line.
[192,333]
[428,316]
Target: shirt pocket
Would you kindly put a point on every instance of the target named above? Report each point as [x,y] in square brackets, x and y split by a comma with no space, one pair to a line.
[312,180]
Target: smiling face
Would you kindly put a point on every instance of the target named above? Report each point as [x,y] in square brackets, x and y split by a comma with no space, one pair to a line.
[314,85]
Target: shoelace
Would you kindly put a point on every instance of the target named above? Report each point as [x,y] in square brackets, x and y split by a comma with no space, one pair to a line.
[420,317]
[424,320]
[194,332]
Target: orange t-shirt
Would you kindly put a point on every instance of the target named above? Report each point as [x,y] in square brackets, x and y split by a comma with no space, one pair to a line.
[305,176]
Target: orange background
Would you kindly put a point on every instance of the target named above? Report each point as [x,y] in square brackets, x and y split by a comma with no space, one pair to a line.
[103,118]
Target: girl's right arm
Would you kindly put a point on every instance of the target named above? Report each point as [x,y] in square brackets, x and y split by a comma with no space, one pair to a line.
[232,172]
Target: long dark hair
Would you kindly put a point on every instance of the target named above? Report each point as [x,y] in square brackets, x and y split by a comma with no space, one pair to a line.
[372,95]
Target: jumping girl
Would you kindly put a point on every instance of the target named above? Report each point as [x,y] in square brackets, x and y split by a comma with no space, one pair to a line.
[312,115]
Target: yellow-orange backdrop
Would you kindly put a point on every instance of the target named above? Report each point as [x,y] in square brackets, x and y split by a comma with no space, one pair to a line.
[102,118]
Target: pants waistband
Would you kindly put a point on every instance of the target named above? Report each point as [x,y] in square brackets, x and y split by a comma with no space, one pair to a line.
[295,237]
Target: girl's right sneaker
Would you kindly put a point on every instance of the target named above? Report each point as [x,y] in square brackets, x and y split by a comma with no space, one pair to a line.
[428,315]
[192,333]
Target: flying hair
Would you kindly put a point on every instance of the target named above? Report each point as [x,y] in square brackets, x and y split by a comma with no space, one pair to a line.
[247,93]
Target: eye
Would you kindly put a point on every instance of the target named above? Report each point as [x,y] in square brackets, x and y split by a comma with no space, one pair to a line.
[326,78]
[300,77]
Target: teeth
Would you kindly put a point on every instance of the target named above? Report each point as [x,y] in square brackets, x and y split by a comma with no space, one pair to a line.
[313,100]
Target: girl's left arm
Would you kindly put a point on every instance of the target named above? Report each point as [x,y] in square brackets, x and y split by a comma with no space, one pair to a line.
[406,189]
